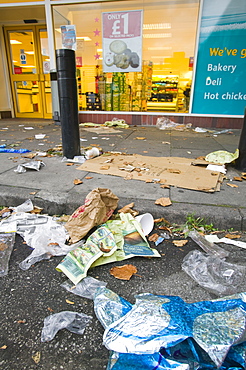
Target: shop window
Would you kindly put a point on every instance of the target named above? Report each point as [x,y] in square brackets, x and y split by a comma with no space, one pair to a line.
[154,74]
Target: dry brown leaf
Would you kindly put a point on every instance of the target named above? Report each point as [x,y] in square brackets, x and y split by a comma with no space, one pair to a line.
[165,202]
[33,193]
[244,177]
[70,302]
[29,155]
[232,236]
[124,272]
[140,138]
[180,243]
[145,151]
[125,208]
[3,347]
[148,181]
[243,173]
[232,185]
[36,210]
[50,309]
[153,237]
[237,178]
[21,321]
[88,177]
[104,167]
[165,186]
[4,210]
[36,358]
[77,182]
[69,164]
[173,170]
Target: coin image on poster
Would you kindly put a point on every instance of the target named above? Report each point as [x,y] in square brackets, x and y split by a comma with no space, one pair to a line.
[118,46]
[109,59]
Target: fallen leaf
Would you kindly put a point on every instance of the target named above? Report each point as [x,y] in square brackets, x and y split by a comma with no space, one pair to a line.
[232,185]
[29,155]
[173,170]
[244,177]
[3,347]
[104,167]
[243,173]
[232,236]
[69,164]
[50,309]
[237,178]
[33,193]
[36,210]
[148,181]
[140,138]
[164,186]
[77,182]
[124,272]
[180,243]
[163,202]
[145,151]
[88,177]
[70,302]
[153,237]
[36,358]
[21,321]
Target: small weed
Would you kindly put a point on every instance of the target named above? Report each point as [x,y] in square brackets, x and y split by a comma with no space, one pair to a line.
[197,223]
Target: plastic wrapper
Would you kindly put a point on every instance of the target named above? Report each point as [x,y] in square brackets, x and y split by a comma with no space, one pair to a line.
[120,361]
[207,329]
[86,288]
[109,306]
[33,165]
[208,247]
[164,123]
[7,241]
[212,273]
[20,151]
[72,321]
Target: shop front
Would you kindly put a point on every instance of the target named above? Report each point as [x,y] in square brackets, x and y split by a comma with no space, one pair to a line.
[137,60]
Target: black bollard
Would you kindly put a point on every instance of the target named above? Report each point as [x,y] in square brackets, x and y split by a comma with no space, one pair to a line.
[241,160]
[68,98]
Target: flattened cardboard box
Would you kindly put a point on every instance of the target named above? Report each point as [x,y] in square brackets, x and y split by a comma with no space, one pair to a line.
[175,171]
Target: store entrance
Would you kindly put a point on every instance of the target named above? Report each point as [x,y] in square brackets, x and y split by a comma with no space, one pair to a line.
[28,60]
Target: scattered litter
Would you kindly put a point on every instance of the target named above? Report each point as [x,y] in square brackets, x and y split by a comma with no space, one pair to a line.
[4,347]
[83,139]
[180,243]
[69,302]
[214,274]
[73,321]
[86,288]
[216,168]
[207,246]
[33,165]
[36,357]
[164,202]
[28,128]
[199,129]
[124,272]
[76,159]
[77,182]
[92,153]
[167,327]
[20,151]
[98,207]
[159,240]
[164,123]
[3,146]
[116,240]
[226,240]
[146,221]
[40,136]
[222,157]
[121,123]
[27,206]
[7,241]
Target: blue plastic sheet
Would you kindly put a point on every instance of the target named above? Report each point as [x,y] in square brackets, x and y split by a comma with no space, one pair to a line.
[20,151]
[171,333]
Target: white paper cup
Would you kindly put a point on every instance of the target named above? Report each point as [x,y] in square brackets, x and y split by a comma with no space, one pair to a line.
[147,222]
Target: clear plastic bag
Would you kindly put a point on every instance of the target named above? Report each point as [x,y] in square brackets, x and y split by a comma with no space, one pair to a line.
[7,241]
[72,321]
[208,247]
[86,288]
[212,273]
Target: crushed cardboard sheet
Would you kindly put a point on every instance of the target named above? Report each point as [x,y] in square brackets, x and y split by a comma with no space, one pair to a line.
[175,171]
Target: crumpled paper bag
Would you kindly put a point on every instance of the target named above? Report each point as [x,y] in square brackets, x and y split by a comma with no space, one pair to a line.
[98,208]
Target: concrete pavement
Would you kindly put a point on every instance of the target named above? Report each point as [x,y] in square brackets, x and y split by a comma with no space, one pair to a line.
[53,189]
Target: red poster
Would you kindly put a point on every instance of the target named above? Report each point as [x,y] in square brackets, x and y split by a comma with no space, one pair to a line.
[78,61]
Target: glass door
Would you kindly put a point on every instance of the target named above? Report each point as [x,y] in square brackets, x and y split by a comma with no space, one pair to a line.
[28,59]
